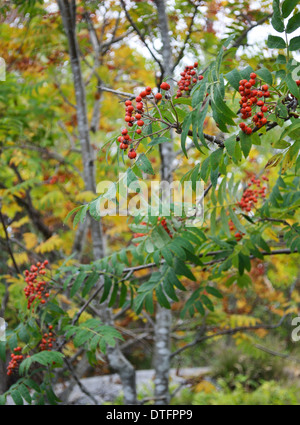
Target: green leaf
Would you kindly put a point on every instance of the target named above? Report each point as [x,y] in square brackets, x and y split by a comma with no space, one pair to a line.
[80,215]
[144,164]
[234,78]
[17,398]
[3,351]
[158,140]
[213,291]
[294,89]
[230,143]
[275,42]
[199,307]
[25,393]
[277,21]
[185,129]
[167,256]
[71,213]
[246,143]
[236,221]
[293,24]
[169,290]
[201,119]
[90,282]
[221,105]
[266,75]
[288,6]
[207,302]
[162,299]
[205,167]
[77,283]
[2,399]
[215,158]
[245,73]
[171,276]
[182,270]
[294,44]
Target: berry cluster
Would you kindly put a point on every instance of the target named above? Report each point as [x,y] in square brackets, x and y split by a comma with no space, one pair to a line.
[189,78]
[47,340]
[135,115]
[165,226]
[36,289]
[250,196]
[250,99]
[161,221]
[16,359]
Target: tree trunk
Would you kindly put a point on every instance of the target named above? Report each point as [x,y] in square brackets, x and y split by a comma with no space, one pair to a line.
[115,357]
[164,316]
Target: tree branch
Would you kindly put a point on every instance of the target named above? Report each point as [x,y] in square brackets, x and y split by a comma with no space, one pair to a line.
[231,331]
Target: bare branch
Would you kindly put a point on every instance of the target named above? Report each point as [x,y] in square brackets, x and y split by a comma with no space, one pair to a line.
[141,36]
[231,331]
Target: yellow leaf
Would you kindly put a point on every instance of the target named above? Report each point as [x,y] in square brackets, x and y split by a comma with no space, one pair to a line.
[205,386]
[51,244]
[30,240]
[86,196]
[20,257]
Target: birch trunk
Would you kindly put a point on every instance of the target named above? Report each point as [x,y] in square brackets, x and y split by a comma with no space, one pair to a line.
[164,316]
[115,357]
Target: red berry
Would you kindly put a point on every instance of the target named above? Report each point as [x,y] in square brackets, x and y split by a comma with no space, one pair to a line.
[158,96]
[165,86]
[132,154]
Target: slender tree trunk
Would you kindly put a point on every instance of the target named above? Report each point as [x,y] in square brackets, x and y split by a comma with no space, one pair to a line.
[164,316]
[115,357]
